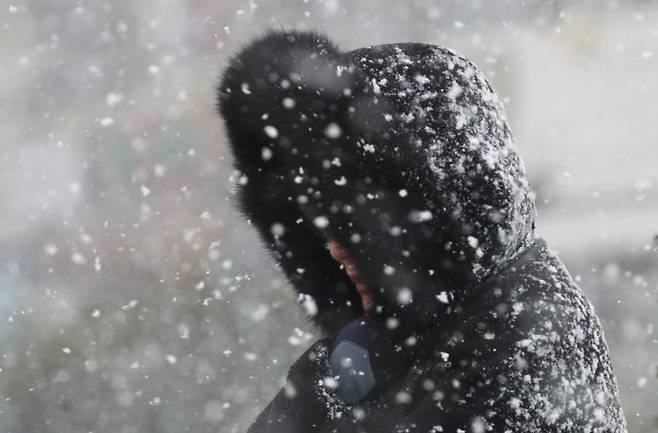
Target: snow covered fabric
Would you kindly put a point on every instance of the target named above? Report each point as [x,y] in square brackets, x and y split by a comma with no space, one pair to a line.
[403,154]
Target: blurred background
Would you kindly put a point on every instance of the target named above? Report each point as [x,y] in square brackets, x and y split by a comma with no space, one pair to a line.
[133,296]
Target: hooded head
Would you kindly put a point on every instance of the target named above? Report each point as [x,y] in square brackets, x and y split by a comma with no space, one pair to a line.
[401,153]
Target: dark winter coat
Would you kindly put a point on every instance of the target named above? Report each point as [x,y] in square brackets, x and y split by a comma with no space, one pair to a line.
[402,153]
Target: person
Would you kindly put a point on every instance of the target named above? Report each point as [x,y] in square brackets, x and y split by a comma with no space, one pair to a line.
[341,256]
[386,183]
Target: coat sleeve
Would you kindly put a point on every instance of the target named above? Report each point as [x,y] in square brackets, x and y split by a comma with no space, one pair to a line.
[473,398]
[298,407]
[542,366]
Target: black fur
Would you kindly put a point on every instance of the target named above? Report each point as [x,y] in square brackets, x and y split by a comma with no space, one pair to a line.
[251,88]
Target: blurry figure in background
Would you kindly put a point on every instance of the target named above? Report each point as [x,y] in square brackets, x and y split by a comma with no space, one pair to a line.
[453,313]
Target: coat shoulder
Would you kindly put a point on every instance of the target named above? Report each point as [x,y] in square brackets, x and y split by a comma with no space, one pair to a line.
[556,365]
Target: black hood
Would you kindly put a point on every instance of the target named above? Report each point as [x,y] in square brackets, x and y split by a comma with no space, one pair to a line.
[401,152]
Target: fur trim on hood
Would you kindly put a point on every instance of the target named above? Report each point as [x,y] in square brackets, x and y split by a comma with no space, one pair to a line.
[401,152]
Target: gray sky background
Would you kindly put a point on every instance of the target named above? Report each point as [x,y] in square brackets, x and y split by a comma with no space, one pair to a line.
[133,296]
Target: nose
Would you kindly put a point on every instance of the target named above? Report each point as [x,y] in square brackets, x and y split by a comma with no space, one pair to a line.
[336,251]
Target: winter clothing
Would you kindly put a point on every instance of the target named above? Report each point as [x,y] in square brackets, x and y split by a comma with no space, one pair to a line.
[403,154]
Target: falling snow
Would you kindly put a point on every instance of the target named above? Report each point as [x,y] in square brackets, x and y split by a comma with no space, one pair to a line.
[137,297]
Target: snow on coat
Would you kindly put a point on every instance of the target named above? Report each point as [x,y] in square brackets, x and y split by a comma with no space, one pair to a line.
[402,153]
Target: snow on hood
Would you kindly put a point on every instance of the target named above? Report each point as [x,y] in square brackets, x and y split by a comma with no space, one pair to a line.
[401,152]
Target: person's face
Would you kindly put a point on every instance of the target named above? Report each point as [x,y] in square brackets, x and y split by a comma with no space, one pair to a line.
[340,255]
